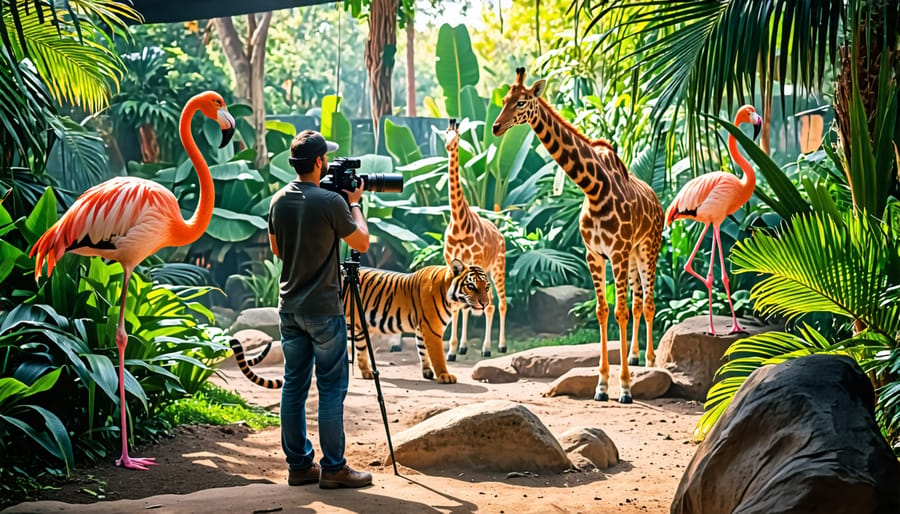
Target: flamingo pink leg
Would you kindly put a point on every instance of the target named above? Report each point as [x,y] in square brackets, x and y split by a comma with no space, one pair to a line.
[708,281]
[121,340]
[736,327]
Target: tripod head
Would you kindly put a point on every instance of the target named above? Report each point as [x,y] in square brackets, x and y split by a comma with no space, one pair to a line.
[351,266]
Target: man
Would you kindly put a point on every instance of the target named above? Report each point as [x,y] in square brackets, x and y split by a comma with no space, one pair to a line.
[306,224]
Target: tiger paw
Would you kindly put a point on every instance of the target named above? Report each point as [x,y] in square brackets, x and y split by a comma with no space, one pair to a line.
[447,378]
[427,373]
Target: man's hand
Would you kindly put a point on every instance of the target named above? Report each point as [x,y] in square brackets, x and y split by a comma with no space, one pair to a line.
[356,195]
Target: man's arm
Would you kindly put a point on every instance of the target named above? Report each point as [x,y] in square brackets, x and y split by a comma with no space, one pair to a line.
[359,238]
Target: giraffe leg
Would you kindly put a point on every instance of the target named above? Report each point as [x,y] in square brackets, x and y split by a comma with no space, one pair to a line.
[464,331]
[637,307]
[620,273]
[708,280]
[451,351]
[647,269]
[735,328]
[499,279]
[597,265]
[121,341]
[488,320]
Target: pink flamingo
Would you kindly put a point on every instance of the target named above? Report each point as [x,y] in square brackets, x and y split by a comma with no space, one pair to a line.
[127,219]
[709,199]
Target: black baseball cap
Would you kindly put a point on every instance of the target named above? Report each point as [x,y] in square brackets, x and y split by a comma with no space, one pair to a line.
[310,144]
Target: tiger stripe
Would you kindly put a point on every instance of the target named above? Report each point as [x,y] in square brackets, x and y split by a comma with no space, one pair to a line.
[244,365]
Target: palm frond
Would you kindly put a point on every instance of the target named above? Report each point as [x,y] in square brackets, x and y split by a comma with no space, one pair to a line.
[707,55]
[820,264]
[79,159]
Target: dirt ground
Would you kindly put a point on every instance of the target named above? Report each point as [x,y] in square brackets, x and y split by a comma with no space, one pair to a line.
[215,466]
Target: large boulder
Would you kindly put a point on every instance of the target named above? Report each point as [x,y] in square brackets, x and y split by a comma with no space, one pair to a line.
[693,356]
[496,435]
[548,307]
[798,437]
[554,361]
[542,362]
[646,383]
[265,319]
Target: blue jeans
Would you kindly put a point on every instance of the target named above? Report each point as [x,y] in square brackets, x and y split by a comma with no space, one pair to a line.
[306,340]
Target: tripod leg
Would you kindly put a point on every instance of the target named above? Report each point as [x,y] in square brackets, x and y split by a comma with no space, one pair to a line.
[357,301]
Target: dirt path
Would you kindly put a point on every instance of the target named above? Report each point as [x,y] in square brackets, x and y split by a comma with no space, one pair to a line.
[652,438]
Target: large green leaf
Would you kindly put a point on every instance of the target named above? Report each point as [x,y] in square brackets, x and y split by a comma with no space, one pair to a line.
[456,65]
[230,226]
[401,143]
[471,105]
[508,162]
[41,218]
[335,125]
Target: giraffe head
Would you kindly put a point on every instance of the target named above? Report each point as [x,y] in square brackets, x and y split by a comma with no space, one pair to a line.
[747,114]
[452,136]
[520,105]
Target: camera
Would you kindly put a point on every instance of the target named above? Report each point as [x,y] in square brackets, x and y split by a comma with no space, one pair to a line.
[341,175]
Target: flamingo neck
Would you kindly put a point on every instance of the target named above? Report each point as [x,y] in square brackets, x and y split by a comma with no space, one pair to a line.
[191,229]
[749,178]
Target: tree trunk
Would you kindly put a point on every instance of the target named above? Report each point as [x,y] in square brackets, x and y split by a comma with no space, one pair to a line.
[381,49]
[149,144]
[248,65]
[410,68]
[868,64]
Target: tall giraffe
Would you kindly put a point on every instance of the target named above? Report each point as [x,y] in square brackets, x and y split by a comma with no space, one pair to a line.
[476,242]
[621,219]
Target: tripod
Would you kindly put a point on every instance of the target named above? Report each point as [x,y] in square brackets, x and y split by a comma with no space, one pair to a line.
[351,269]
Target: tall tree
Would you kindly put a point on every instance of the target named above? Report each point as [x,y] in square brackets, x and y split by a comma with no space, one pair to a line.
[249,64]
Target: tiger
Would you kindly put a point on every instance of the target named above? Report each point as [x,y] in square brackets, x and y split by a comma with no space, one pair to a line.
[244,365]
[394,302]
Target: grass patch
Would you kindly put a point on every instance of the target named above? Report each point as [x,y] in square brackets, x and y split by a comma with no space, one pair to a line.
[578,336]
[216,406]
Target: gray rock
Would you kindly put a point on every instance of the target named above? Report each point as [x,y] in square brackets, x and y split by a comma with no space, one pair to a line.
[496,435]
[693,356]
[589,448]
[549,307]
[650,383]
[646,383]
[798,437]
[498,370]
[265,319]
[554,361]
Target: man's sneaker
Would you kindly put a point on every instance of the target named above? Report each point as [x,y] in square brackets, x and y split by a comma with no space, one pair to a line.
[309,475]
[344,477]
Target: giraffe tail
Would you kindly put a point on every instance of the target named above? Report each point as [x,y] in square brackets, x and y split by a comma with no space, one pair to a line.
[244,366]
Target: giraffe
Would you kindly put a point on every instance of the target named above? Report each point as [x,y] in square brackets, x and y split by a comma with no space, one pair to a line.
[476,242]
[621,220]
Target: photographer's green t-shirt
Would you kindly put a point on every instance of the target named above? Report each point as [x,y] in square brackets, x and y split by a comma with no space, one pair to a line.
[308,223]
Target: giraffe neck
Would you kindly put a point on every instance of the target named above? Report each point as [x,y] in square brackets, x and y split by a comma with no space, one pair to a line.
[570,148]
[459,208]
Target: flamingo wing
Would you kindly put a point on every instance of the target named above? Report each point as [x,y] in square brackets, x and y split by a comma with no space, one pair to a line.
[705,198]
[105,217]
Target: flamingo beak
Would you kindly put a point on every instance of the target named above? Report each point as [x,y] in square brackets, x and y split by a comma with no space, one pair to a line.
[757,125]
[227,123]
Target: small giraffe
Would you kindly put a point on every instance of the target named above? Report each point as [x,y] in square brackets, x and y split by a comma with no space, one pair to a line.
[621,219]
[476,242]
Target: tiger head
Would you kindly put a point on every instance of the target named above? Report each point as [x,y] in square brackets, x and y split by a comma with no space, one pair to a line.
[470,286]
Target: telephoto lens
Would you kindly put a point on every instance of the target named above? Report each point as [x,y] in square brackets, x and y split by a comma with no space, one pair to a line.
[383,182]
